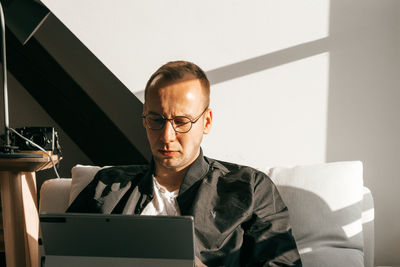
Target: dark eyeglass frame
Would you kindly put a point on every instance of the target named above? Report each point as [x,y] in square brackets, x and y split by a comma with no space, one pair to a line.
[173,121]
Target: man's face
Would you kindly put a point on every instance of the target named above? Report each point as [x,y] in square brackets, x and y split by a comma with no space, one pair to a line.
[171,150]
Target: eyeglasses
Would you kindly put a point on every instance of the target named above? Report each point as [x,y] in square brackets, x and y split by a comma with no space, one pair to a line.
[181,124]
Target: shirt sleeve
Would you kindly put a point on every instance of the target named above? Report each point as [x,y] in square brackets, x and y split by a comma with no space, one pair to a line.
[85,202]
[268,239]
[106,189]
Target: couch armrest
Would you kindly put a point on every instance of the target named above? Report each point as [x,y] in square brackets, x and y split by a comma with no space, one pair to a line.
[54,195]
[368,227]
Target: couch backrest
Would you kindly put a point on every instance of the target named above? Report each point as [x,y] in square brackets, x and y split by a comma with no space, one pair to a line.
[325,203]
[331,212]
[54,195]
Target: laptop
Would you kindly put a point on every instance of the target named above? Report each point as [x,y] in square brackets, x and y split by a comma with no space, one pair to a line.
[72,239]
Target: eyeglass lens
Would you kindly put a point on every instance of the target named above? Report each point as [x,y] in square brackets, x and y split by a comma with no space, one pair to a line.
[157,122]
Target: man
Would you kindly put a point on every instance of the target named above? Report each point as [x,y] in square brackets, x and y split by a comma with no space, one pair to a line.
[239,217]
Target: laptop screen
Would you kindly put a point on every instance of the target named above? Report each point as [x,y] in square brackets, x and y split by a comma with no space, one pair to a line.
[117,240]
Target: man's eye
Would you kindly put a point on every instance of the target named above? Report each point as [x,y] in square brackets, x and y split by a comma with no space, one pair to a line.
[158,120]
[181,121]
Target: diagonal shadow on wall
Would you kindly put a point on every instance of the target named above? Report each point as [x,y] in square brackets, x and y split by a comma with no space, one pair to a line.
[264,62]
[260,63]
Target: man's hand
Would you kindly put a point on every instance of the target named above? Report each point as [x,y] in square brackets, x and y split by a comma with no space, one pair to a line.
[199,263]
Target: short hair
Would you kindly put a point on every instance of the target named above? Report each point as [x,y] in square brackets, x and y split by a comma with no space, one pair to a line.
[174,71]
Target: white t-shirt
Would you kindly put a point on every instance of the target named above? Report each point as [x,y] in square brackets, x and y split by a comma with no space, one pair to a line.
[163,203]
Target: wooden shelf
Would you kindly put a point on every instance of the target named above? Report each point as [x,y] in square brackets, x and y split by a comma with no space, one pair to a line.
[27,164]
[19,208]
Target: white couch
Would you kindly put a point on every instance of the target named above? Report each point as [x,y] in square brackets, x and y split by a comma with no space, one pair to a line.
[331,212]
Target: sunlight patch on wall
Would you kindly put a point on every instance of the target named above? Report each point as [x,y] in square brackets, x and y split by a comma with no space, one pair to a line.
[273,117]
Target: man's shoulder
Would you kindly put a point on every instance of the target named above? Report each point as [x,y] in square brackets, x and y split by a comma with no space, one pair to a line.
[129,168]
[235,170]
[128,171]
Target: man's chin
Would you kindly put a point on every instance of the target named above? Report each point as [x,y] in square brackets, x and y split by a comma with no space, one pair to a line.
[168,163]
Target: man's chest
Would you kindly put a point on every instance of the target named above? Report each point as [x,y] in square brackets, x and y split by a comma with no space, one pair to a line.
[219,212]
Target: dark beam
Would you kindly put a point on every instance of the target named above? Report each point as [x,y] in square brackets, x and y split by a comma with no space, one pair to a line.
[68,104]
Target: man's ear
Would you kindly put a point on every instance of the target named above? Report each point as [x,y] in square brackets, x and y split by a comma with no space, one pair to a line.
[208,117]
[143,123]
[144,112]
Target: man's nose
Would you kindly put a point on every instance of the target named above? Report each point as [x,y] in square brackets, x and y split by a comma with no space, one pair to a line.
[168,132]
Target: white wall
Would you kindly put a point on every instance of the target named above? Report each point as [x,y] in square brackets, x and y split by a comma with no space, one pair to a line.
[266,119]
[317,78]
[364,107]
[134,38]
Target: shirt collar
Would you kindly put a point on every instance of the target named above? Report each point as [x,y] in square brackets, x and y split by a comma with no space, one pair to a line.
[146,184]
[163,190]
[197,170]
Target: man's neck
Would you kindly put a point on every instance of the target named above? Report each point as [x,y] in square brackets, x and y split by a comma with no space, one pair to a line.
[170,179]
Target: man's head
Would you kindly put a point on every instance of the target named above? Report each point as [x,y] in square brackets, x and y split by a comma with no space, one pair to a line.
[176,70]
[177,90]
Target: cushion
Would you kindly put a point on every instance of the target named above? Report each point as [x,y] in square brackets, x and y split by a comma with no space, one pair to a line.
[368,216]
[81,177]
[54,195]
[325,206]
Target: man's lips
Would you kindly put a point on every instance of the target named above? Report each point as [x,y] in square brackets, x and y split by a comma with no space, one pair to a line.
[167,152]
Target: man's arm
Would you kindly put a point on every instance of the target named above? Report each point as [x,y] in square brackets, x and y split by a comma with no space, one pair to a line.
[268,239]
[85,201]
[106,181]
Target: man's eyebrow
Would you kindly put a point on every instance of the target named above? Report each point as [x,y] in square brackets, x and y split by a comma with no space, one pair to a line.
[180,115]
